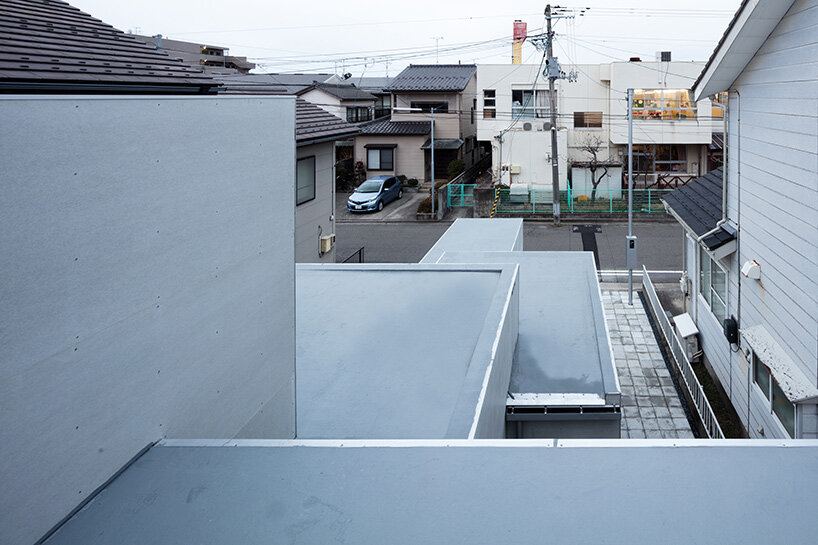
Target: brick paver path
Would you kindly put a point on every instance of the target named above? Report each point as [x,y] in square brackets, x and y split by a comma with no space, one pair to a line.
[650,406]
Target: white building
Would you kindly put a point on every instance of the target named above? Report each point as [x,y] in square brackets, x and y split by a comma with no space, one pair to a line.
[671,134]
[752,252]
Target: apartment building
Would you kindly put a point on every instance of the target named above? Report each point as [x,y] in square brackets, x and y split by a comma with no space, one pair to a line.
[672,135]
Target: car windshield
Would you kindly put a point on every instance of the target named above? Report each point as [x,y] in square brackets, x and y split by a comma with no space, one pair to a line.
[369,186]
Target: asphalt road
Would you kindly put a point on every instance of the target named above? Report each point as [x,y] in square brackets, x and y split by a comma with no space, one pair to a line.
[660,244]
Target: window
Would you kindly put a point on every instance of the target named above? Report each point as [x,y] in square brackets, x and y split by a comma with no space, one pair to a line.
[304,180]
[780,406]
[383,105]
[525,103]
[713,285]
[659,158]
[663,104]
[587,120]
[379,158]
[356,114]
[426,107]
[489,104]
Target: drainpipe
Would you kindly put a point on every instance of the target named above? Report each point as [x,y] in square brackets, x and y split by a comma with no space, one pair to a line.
[723,219]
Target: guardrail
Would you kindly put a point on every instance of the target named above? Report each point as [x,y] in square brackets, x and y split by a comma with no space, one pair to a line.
[679,357]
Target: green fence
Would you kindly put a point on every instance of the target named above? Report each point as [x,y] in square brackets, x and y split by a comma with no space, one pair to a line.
[460,195]
[604,201]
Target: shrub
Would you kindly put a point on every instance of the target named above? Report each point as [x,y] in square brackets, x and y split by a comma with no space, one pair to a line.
[456,168]
[425,206]
[412,182]
[402,178]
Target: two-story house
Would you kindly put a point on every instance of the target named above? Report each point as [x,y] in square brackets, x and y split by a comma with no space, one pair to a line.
[752,232]
[402,144]
[342,100]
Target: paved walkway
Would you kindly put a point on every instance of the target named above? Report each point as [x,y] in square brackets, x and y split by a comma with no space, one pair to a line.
[651,407]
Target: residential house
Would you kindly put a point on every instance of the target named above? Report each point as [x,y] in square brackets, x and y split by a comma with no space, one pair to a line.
[284,83]
[143,288]
[751,238]
[672,135]
[377,87]
[317,136]
[401,144]
[342,100]
[212,59]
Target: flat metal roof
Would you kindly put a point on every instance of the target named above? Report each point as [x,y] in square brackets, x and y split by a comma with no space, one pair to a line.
[563,346]
[478,234]
[401,350]
[503,491]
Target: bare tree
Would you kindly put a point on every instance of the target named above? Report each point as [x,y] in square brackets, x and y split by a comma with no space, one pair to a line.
[592,145]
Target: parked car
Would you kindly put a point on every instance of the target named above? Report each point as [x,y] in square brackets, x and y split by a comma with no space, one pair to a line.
[375,193]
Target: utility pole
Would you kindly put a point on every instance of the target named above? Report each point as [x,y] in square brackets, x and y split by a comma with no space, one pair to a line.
[553,74]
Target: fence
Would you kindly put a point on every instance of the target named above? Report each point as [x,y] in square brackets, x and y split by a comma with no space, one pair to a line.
[460,195]
[679,356]
[539,201]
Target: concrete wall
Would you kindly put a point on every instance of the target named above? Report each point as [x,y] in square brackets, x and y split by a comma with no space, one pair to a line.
[530,151]
[147,286]
[773,196]
[317,217]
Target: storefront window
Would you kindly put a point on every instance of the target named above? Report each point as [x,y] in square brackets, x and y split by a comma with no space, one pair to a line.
[663,104]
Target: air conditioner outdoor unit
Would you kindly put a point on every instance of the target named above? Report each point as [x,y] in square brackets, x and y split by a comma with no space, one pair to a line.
[327,242]
[526,126]
[546,126]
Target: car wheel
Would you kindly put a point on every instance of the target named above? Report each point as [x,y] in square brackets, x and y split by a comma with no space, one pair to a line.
[380,206]
[400,193]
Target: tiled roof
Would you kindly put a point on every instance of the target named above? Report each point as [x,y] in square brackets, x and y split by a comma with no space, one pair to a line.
[433,77]
[314,124]
[49,45]
[384,125]
[344,92]
[698,205]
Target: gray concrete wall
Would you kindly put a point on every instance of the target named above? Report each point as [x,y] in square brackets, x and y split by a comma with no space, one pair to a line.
[147,286]
[318,215]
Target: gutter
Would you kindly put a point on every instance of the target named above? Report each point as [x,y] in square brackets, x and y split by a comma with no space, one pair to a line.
[312,141]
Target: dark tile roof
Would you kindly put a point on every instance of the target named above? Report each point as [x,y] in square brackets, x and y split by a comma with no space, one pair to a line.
[443,143]
[384,125]
[433,77]
[698,205]
[342,91]
[312,124]
[49,45]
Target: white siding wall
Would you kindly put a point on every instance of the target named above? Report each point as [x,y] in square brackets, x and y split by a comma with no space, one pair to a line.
[773,195]
[147,286]
[317,215]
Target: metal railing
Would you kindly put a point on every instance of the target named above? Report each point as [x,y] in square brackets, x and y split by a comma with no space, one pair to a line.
[679,356]
[460,195]
[356,257]
[603,201]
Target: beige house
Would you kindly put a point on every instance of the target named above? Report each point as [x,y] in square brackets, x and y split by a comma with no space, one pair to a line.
[402,143]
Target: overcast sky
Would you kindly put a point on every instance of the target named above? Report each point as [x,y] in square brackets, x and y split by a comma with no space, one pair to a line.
[362,36]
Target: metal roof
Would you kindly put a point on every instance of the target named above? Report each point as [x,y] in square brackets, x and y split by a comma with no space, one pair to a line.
[433,77]
[51,46]
[361,376]
[344,92]
[282,83]
[697,205]
[478,234]
[374,85]
[745,34]
[673,492]
[563,346]
[443,144]
[793,382]
[385,125]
